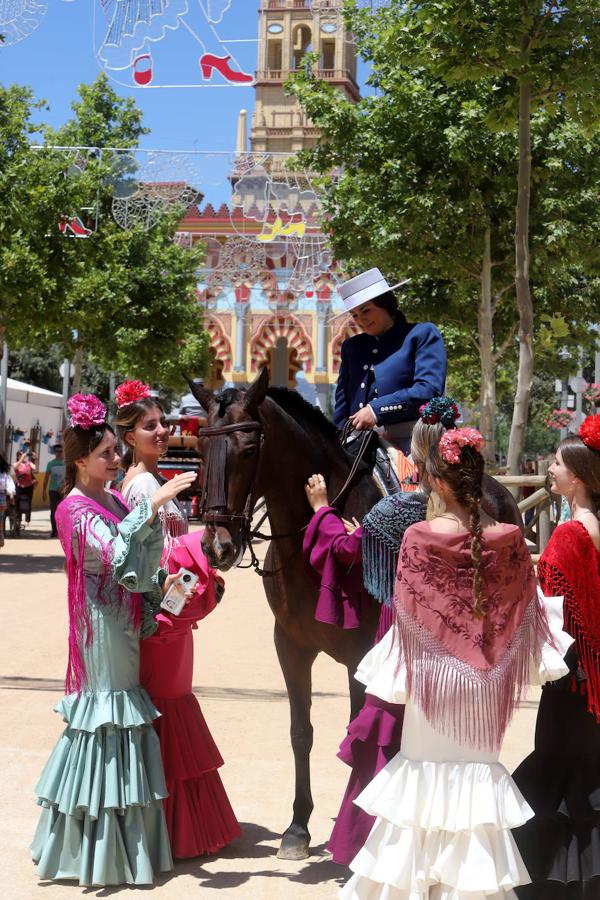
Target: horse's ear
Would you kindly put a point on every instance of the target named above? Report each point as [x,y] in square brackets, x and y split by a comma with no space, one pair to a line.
[257,391]
[205,398]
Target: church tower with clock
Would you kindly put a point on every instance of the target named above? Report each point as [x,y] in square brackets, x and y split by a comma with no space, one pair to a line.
[286,314]
[287,30]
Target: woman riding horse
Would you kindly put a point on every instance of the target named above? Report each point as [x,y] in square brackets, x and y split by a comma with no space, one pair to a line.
[390,370]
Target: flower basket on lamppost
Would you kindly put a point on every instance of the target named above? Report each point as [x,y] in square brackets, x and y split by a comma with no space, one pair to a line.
[591,395]
[560,418]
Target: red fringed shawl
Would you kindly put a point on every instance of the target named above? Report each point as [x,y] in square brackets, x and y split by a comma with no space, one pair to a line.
[570,567]
[74,520]
[467,674]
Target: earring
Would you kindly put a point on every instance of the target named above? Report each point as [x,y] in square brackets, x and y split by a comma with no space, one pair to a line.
[84,477]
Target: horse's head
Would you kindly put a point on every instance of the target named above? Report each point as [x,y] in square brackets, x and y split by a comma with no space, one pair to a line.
[230,449]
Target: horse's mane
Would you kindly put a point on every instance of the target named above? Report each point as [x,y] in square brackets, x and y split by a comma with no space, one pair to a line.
[309,417]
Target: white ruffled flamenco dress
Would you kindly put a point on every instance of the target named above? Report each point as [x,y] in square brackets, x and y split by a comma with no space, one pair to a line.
[444,809]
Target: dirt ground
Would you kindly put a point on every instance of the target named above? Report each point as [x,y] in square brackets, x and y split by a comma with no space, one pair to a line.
[241,691]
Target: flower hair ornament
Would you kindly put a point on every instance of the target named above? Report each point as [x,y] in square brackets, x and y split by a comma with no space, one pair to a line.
[440,409]
[130,392]
[86,411]
[453,441]
[589,431]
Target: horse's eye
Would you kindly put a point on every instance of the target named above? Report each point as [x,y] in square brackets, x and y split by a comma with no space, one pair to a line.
[250,451]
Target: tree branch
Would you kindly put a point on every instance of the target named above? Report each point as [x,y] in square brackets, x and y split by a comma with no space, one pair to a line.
[540,25]
[499,353]
[475,343]
[467,271]
[499,294]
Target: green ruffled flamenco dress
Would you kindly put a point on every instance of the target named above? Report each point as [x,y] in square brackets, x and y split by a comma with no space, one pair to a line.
[102,789]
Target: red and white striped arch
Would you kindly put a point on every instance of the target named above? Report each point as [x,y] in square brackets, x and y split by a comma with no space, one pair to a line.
[346,327]
[219,342]
[276,327]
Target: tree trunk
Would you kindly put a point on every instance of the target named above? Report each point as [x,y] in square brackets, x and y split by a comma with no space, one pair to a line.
[518,428]
[3,389]
[487,390]
[77,367]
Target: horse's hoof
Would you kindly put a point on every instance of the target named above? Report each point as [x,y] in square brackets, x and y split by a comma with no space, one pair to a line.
[295,844]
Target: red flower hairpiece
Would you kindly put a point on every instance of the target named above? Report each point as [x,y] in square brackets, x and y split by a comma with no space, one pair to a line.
[452,442]
[131,392]
[589,432]
[86,410]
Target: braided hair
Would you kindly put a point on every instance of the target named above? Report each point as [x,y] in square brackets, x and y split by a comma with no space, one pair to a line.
[465,481]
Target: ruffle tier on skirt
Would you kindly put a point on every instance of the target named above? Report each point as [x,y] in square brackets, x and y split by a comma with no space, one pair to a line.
[373,739]
[102,789]
[442,832]
[561,782]
[199,816]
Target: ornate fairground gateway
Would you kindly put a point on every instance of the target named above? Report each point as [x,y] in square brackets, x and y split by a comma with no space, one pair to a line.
[269,287]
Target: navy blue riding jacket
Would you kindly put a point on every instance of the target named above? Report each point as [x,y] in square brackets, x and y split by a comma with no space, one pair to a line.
[394,373]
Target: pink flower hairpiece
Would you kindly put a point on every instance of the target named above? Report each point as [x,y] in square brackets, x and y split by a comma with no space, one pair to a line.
[589,431]
[131,392]
[86,410]
[454,440]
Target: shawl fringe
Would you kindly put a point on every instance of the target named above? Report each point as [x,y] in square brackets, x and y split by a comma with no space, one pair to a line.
[73,519]
[469,704]
[588,650]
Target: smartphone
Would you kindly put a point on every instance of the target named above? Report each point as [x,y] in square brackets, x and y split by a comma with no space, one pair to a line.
[174,599]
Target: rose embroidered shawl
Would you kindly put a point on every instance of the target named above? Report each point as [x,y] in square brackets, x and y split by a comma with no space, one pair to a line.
[467,673]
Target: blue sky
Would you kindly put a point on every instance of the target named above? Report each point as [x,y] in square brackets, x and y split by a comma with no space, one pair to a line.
[61,54]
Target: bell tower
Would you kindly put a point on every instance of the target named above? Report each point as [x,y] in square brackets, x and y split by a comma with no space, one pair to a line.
[288,29]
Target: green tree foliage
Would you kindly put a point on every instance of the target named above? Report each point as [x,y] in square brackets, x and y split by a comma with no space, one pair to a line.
[425,175]
[125,300]
[542,54]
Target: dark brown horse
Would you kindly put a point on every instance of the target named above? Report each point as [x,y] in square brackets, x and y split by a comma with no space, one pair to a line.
[269,444]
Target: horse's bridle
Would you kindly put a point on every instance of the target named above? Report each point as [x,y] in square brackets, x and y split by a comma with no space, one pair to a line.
[213,498]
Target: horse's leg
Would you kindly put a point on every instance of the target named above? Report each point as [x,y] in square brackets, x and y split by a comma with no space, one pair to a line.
[296,664]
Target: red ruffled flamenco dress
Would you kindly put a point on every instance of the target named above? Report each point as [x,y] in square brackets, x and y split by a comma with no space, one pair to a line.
[561,778]
[199,816]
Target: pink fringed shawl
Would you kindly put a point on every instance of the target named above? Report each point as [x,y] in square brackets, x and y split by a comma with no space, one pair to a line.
[467,673]
[74,517]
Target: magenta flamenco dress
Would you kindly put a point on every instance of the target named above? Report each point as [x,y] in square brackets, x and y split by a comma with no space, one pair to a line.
[336,560]
[199,816]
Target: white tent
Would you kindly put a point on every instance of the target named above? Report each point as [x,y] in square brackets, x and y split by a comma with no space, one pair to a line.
[26,406]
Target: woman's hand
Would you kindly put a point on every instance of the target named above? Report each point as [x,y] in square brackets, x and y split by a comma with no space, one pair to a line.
[363,419]
[170,581]
[316,492]
[351,526]
[170,489]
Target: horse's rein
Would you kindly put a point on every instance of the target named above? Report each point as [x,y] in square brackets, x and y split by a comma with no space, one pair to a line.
[365,440]
[213,499]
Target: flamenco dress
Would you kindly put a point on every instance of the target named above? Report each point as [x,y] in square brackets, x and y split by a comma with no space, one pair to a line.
[373,736]
[444,806]
[102,789]
[199,816]
[561,778]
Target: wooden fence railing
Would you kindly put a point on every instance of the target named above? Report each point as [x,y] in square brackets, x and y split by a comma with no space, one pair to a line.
[539,527]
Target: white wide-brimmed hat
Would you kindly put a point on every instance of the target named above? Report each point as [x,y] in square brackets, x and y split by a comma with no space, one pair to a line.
[365,286]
